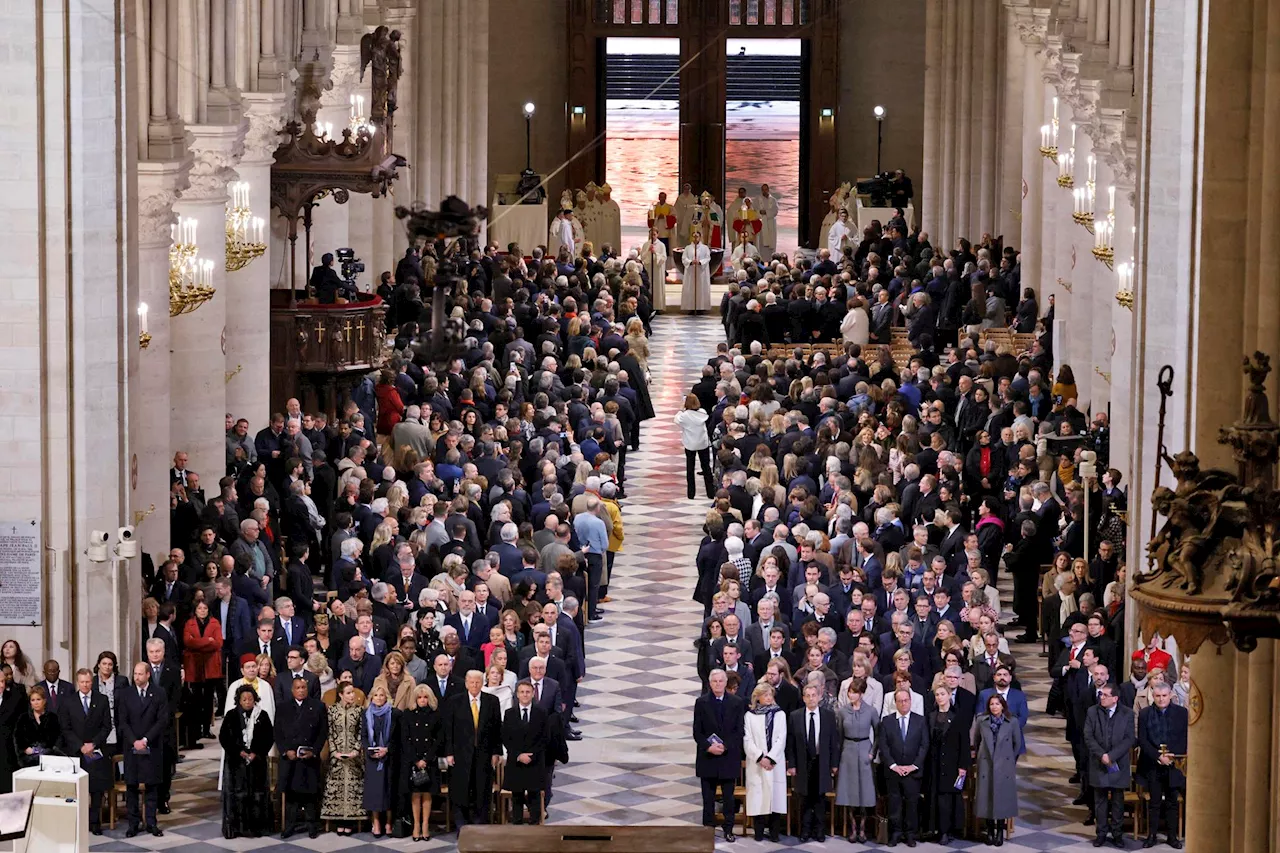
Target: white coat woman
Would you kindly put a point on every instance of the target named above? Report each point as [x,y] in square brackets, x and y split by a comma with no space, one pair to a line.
[855,328]
[764,745]
[692,420]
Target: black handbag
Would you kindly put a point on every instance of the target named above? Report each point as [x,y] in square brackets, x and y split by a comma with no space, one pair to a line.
[419,776]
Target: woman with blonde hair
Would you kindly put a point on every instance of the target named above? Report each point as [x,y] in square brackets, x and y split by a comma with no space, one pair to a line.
[496,686]
[765,744]
[396,680]
[420,742]
[380,725]
[266,669]
[318,665]
[397,497]
[637,343]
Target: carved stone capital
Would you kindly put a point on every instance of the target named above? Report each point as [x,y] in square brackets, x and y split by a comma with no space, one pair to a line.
[1032,24]
[267,114]
[159,187]
[344,78]
[215,151]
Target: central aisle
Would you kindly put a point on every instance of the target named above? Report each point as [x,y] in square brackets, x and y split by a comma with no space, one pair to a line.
[635,762]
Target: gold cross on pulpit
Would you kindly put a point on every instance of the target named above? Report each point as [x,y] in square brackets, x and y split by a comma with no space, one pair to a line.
[319,333]
[360,329]
[348,330]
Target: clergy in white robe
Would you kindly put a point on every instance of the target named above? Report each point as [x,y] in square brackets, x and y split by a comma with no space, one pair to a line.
[609,220]
[767,207]
[591,216]
[685,205]
[561,235]
[743,250]
[653,257]
[841,235]
[579,234]
[838,200]
[582,215]
[737,204]
[695,292]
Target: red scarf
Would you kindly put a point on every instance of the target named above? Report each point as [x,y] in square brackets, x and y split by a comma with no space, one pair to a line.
[984,465]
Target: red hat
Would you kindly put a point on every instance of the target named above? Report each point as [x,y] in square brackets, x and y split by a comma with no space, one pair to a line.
[1138,655]
[247,657]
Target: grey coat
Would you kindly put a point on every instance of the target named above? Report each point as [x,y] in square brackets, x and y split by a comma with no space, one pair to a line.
[995,789]
[1113,736]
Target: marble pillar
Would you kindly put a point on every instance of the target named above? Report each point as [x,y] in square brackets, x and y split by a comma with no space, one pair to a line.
[198,378]
[248,348]
[450,151]
[964,119]
[1030,187]
[946,224]
[1208,801]
[149,410]
[402,15]
[933,177]
[1013,132]
[331,222]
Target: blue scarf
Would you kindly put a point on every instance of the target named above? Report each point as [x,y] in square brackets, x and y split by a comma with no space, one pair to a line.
[769,712]
[378,723]
[995,725]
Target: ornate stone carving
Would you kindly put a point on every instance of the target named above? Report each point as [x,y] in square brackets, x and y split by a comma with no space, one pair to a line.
[344,79]
[267,118]
[1213,564]
[159,187]
[215,152]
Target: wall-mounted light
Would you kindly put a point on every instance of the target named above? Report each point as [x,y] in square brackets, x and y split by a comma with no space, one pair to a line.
[879,112]
[579,111]
[828,112]
[528,109]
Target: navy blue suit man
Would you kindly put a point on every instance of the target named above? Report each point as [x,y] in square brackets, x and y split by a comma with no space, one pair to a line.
[903,746]
[719,726]
[1162,733]
[472,627]
[142,718]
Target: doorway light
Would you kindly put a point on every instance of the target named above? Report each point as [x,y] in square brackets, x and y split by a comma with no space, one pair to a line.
[828,112]
[579,111]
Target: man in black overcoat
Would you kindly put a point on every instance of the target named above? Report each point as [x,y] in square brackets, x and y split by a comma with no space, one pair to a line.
[85,720]
[719,725]
[168,678]
[1162,734]
[1108,737]
[524,736]
[472,745]
[903,746]
[302,727]
[813,759]
[142,720]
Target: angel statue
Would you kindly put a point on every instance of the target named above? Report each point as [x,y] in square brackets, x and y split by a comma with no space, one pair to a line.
[381,48]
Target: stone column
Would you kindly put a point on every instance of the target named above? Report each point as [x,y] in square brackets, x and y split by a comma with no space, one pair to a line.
[416,59]
[1211,735]
[986,178]
[248,343]
[1030,189]
[963,176]
[946,224]
[197,378]
[1051,268]
[933,176]
[1257,703]
[1012,130]
[149,409]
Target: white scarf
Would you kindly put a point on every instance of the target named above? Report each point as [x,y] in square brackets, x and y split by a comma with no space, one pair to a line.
[249,725]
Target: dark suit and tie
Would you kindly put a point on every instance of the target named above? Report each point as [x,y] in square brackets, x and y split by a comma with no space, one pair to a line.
[284,685]
[472,739]
[904,743]
[444,688]
[813,751]
[142,716]
[291,631]
[473,630]
[525,734]
[87,720]
[169,680]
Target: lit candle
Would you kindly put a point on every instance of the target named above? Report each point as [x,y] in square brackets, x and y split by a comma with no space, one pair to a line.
[1055,109]
[258,226]
[1044,136]
[1073,135]
[142,318]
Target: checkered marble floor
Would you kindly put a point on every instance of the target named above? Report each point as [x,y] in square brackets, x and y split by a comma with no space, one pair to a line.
[634,765]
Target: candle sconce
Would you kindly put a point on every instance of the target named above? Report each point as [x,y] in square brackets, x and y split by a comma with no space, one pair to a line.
[246,233]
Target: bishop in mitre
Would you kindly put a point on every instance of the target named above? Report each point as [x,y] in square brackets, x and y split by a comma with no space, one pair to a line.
[767,207]
[685,207]
[709,216]
[695,291]
[582,213]
[608,221]
[838,199]
[652,255]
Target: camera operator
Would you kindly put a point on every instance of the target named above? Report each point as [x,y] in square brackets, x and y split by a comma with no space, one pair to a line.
[327,284]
